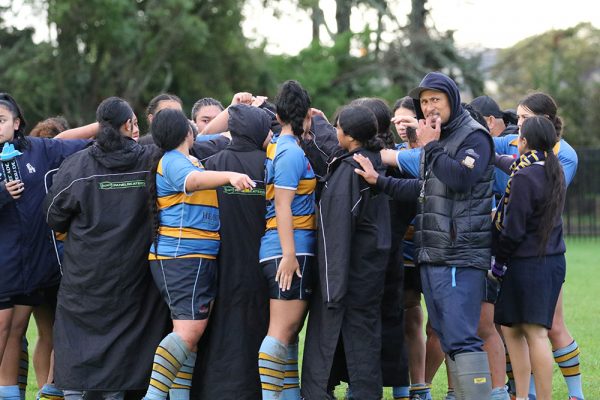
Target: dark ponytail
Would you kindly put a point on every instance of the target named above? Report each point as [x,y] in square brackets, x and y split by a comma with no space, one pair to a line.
[112,113]
[293,104]
[153,105]
[384,118]
[544,105]
[541,135]
[7,101]
[360,123]
[169,129]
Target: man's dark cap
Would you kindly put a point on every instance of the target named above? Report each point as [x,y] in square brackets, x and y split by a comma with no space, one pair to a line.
[487,106]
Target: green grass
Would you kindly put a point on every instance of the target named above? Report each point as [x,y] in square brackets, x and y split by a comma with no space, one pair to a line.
[582,313]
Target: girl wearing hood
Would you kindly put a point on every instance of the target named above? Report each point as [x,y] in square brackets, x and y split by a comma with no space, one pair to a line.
[29,262]
[354,239]
[242,294]
[109,315]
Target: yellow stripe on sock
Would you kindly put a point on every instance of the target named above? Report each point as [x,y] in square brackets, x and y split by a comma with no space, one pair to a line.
[184,375]
[290,386]
[50,397]
[270,372]
[568,356]
[291,374]
[159,385]
[271,387]
[267,357]
[164,353]
[570,371]
[163,371]
[178,386]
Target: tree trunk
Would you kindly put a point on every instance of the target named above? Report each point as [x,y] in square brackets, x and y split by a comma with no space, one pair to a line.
[316,17]
[417,31]
[342,15]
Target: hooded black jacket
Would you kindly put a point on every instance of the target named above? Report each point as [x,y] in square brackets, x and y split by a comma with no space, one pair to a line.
[227,366]
[453,223]
[110,316]
[354,240]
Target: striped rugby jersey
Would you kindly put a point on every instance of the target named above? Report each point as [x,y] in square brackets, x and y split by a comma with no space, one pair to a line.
[189,222]
[286,167]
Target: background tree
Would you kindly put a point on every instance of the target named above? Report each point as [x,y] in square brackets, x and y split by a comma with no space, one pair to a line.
[133,49]
[564,63]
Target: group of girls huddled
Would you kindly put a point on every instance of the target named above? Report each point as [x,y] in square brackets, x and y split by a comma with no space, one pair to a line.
[269,214]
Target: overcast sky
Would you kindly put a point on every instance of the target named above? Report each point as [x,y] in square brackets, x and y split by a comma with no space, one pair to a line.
[477,23]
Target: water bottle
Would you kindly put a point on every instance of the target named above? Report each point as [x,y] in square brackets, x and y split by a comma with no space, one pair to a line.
[8,159]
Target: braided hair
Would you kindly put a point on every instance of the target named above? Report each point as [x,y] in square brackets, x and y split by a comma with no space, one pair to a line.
[8,102]
[293,105]
[205,102]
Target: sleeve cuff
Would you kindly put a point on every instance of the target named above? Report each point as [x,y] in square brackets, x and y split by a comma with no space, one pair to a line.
[5,197]
[381,182]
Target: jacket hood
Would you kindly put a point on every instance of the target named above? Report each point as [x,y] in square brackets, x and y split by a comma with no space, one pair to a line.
[118,160]
[249,127]
[443,83]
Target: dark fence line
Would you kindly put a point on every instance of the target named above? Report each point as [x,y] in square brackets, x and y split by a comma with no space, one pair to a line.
[582,209]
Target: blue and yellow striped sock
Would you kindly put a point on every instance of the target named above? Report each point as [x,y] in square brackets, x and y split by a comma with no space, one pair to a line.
[401,392]
[567,359]
[272,358]
[422,389]
[291,379]
[50,392]
[170,355]
[23,368]
[180,390]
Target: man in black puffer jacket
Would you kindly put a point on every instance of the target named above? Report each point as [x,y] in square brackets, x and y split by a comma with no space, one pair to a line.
[452,226]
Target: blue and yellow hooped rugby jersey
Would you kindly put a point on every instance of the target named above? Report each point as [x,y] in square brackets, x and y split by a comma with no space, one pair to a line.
[507,145]
[286,167]
[189,222]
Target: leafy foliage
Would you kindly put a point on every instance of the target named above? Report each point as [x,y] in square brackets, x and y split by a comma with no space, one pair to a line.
[566,65]
[196,48]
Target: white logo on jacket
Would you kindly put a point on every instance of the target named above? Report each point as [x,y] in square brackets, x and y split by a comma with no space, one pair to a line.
[30,168]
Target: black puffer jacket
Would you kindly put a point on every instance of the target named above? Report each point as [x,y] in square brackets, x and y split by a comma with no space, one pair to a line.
[453,223]
[454,228]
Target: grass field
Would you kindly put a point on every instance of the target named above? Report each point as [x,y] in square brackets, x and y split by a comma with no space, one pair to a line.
[582,313]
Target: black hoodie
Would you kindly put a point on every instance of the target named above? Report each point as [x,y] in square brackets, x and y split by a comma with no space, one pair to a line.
[243,305]
[108,306]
